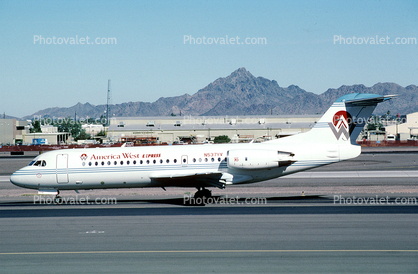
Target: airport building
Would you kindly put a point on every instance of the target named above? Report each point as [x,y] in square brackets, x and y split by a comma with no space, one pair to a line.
[46,138]
[199,129]
[407,130]
[13,131]
[193,129]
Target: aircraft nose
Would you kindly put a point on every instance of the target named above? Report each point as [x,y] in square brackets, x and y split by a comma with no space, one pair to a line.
[20,179]
[16,179]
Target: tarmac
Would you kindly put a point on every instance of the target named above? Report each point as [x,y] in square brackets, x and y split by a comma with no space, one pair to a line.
[357,216]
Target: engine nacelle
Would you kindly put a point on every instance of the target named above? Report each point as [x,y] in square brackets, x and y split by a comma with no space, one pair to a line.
[259,158]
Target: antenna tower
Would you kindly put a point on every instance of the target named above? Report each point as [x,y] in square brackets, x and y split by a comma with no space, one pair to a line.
[109,98]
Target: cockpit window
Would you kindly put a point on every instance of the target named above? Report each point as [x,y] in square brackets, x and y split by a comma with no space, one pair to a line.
[31,163]
[40,163]
[37,163]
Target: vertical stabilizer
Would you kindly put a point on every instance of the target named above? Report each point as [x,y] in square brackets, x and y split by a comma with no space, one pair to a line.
[345,119]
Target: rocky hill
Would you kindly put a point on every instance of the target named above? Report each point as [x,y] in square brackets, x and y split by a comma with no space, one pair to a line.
[241,93]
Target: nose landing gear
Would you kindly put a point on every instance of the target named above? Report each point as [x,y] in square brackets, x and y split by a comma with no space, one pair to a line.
[58,199]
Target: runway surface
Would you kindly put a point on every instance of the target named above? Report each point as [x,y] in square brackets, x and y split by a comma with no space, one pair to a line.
[346,220]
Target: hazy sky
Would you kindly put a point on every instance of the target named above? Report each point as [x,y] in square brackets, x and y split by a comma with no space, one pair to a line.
[152,49]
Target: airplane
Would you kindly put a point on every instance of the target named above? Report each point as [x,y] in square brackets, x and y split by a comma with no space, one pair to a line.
[332,139]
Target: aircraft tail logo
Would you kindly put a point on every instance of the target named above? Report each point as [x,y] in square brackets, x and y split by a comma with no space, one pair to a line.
[342,124]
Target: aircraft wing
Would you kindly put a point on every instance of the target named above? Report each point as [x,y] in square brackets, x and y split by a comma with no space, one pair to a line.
[191,179]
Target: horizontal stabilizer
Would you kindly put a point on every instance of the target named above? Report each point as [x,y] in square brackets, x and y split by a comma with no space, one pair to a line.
[364,99]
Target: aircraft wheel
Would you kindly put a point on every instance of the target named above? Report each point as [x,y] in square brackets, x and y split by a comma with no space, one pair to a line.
[207,193]
[58,200]
[201,195]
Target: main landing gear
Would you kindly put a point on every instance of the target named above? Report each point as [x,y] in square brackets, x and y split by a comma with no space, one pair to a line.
[200,197]
[202,193]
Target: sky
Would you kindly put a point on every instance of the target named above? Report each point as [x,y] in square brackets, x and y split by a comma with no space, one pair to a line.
[59,53]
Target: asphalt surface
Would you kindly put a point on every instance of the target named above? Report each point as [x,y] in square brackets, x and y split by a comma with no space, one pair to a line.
[334,219]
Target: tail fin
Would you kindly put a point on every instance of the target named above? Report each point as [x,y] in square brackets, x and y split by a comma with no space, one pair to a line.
[344,120]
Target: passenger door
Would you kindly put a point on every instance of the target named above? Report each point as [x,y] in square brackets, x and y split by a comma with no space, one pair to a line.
[62,168]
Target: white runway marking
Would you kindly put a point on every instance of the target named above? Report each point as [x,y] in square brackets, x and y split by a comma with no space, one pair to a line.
[333,174]
[355,174]
[4,178]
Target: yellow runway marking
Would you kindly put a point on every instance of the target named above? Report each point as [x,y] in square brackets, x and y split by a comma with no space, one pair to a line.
[202,251]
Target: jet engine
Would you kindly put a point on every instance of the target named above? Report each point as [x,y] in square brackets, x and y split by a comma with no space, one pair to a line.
[259,158]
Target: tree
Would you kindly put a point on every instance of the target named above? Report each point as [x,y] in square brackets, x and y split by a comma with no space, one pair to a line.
[36,127]
[82,136]
[374,124]
[68,125]
[222,139]
[101,133]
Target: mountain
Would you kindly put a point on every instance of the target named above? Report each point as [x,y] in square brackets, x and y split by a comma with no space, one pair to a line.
[241,93]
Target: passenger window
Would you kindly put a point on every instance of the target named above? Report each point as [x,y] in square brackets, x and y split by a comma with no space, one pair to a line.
[167,161]
[175,160]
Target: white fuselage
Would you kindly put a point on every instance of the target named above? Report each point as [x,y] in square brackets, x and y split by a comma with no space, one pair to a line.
[161,166]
